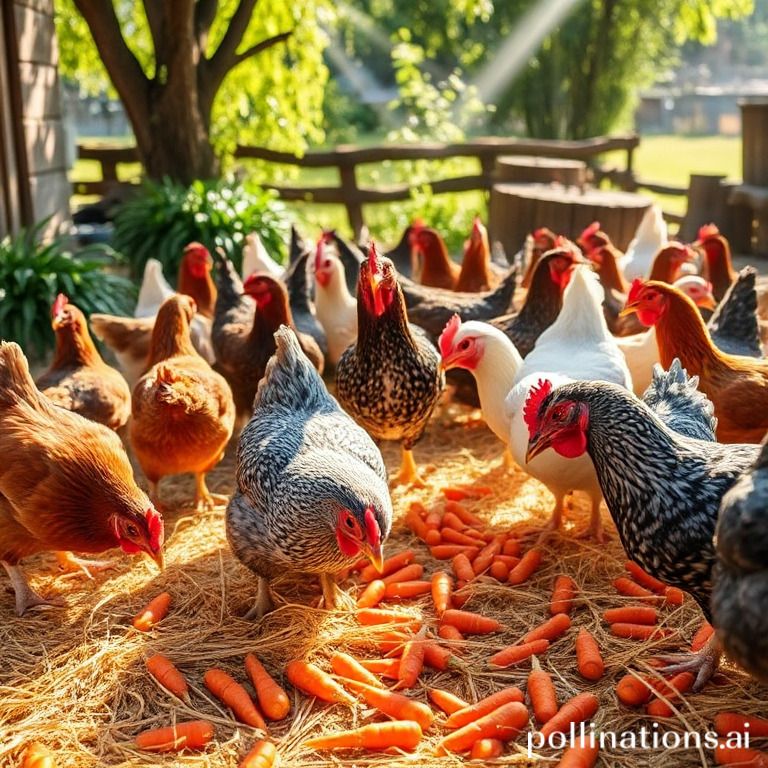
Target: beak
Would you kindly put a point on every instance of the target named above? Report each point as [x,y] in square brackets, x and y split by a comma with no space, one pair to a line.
[158,558]
[446,363]
[628,310]
[536,445]
[374,282]
[708,302]
[376,556]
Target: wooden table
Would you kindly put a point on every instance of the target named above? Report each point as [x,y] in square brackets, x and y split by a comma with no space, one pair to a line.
[517,209]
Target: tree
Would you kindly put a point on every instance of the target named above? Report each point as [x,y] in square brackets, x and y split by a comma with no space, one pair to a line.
[196,75]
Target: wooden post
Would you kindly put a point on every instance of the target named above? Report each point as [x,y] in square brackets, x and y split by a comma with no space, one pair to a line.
[754,141]
[706,204]
[351,193]
[628,180]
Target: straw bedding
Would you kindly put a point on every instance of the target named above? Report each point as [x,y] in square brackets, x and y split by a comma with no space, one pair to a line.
[74,677]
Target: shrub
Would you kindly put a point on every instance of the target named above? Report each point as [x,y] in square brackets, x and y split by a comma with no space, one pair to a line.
[166,216]
[32,273]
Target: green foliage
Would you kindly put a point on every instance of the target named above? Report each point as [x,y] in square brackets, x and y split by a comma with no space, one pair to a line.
[166,217]
[33,273]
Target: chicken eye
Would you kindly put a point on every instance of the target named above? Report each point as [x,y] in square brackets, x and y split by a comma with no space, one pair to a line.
[350,523]
[327,263]
[132,530]
[464,345]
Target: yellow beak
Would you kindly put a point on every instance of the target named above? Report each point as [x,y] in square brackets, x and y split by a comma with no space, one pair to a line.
[158,558]
[535,447]
[628,310]
[376,556]
[708,302]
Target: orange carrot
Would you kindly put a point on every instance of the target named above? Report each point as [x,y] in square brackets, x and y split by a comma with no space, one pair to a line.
[273,700]
[449,551]
[525,568]
[462,567]
[450,520]
[541,691]
[503,723]
[392,643]
[511,547]
[638,631]
[740,756]
[550,630]
[261,755]
[580,756]
[644,579]
[438,657]
[408,573]
[228,691]
[156,611]
[578,709]
[403,734]
[433,519]
[372,595]
[434,536]
[475,534]
[37,755]
[473,712]
[514,654]
[679,684]
[393,704]
[486,749]
[350,668]
[311,679]
[563,594]
[467,517]
[470,623]
[460,596]
[406,589]
[633,691]
[390,565]
[417,525]
[674,596]
[629,588]
[733,722]
[458,493]
[384,667]
[485,556]
[449,632]
[631,614]
[449,536]
[705,631]
[499,570]
[358,566]
[192,734]
[509,560]
[163,670]
[442,586]
[412,660]
[588,659]
[370,616]
[446,700]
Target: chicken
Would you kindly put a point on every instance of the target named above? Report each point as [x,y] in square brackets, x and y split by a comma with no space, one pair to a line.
[311,491]
[154,290]
[65,483]
[537,244]
[717,259]
[336,307]
[740,591]
[734,326]
[650,237]
[544,299]
[351,257]
[390,380]
[256,258]
[437,268]
[300,302]
[183,414]
[402,255]
[477,271]
[78,379]
[737,386]
[662,482]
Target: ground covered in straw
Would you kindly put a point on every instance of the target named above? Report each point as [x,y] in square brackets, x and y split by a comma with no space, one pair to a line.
[74,677]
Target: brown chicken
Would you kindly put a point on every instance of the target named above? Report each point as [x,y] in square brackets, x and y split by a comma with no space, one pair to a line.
[438,270]
[183,414]
[737,386]
[78,379]
[537,244]
[717,254]
[476,272]
[195,278]
[65,483]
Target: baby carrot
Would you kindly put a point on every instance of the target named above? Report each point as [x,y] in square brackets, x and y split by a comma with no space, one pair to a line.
[406,589]
[311,679]
[156,611]
[392,643]
[638,631]
[525,568]
[461,595]
[589,662]
[416,524]
[705,631]
[37,755]
[511,547]
[434,537]
[499,570]
[450,520]
[541,691]
[458,493]
[629,588]
[448,551]
[433,519]
[671,691]
[350,668]
[467,517]
[390,565]
[192,734]
[449,632]
[384,667]
[163,670]
[470,623]
[576,710]
[645,579]
[442,586]
[473,712]
[633,691]
[631,614]
[580,756]
[449,536]
[437,657]
[741,756]
[462,567]
[393,704]
[503,723]
[563,594]
[550,630]
[261,755]
[674,596]
[733,722]
[485,556]
[412,660]
[408,573]
[372,595]
[403,734]
[370,616]
[446,700]
[514,654]
[227,690]
[509,560]
[273,700]
[486,749]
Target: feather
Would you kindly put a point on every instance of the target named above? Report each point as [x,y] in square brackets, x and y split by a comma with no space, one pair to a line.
[536,396]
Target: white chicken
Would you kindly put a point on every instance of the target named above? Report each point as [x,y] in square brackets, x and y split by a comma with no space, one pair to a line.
[649,238]
[155,289]
[335,307]
[256,258]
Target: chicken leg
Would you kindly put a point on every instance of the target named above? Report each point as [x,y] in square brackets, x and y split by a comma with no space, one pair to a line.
[703,663]
[69,563]
[26,597]
[333,597]
[409,474]
[263,604]
[205,501]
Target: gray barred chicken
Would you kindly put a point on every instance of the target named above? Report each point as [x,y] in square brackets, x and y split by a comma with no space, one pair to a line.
[390,380]
[740,593]
[312,492]
[734,326]
[662,475]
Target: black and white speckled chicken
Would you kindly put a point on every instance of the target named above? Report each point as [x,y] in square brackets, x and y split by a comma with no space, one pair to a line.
[662,483]
[734,326]
[390,380]
[312,492]
[740,593]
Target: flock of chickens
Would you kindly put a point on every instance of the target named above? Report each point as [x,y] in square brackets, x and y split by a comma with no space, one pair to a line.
[563,367]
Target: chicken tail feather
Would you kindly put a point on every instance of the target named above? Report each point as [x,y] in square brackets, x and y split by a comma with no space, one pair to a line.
[16,383]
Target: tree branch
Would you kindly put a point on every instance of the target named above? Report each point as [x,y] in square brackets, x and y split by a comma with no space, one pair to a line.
[262,46]
[205,13]
[154,13]
[224,58]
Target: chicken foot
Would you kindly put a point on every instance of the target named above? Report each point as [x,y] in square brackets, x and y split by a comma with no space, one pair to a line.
[69,563]
[409,473]
[703,663]
[264,603]
[595,530]
[205,501]
[333,596]
[26,597]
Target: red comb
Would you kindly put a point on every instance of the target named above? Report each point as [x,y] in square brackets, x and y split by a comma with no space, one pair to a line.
[156,529]
[477,226]
[448,335]
[417,224]
[708,230]
[634,292]
[373,261]
[593,228]
[561,241]
[536,396]
[327,236]
[59,304]
[372,527]
[319,250]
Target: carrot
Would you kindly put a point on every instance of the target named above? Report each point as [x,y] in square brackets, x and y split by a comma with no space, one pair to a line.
[227,690]
[458,493]
[499,570]
[433,520]
[449,536]
[486,749]
[674,596]
[550,630]
[541,691]
[644,579]
[192,734]
[163,670]
[434,537]
[403,734]
[442,586]
[384,667]
[449,551]
[416,524]
[638,631]
[446,700]
[390,565]
[578,709]
[370,616]
[467,517]
[392,643]
[671,691]
[589,662]
[438,657]
[473,712]
[629,588]
[412,660]
[449,632]
[372,595]
[462,567]
[311,679]
[408,573]
[509,560]
[514,654]
[563,594]
[631,614]
[633,691]
[705,631]
[348,667]
[37,755]
[358,566]
[460,596]
[511,548]
[470,623]
[475,534]
[485,556]
[503,723]
[525,568]
[450,520]
[744,757]
[580,756]
[396,705]
[733,722]
[155,611]
[262,755]
[405,589]
[273,700]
